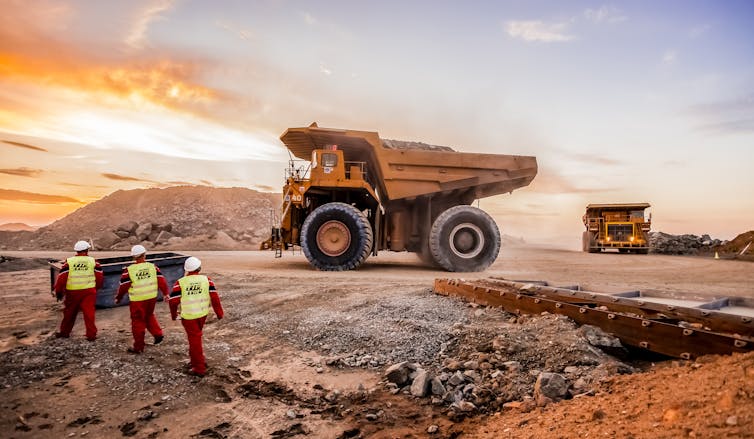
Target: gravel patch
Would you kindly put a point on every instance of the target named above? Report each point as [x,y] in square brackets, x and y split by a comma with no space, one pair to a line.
[415,326]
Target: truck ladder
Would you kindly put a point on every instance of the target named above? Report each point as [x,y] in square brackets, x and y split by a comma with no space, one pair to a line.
[277,239]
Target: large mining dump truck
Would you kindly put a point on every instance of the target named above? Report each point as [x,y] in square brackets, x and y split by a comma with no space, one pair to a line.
[616,226]
[351,194]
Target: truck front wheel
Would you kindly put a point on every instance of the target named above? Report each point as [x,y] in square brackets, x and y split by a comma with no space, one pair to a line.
[336,237]
[464,238]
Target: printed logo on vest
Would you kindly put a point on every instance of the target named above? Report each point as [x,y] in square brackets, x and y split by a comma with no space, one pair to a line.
[194,289]
[79,266]
[142,274]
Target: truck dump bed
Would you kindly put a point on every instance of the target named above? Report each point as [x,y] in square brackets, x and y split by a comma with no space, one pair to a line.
[410,173]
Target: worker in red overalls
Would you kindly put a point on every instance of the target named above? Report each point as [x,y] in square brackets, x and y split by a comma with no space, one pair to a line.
[194,293]
[77,284]
[141,280]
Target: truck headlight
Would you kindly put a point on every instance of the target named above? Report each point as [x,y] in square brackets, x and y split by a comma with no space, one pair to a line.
[631,239]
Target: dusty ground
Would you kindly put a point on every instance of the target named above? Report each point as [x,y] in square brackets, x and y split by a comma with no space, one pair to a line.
[302,352]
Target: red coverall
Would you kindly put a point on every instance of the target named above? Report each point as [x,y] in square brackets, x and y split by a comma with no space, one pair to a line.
[78,300]
[142,312]
[194,327]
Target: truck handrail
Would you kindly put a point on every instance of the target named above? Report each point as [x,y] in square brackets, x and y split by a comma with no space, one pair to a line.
[298,170]
[362,166]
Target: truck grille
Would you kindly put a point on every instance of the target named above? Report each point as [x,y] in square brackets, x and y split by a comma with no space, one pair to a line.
[620,232]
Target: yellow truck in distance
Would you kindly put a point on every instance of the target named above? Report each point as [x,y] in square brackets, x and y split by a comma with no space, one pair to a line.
[351,194]
[616,226]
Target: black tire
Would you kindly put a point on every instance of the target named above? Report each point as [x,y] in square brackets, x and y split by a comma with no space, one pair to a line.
[643,251]
[352,241]
[586,241]
[464,238]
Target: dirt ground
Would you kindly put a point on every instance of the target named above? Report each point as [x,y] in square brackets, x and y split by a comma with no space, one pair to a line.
[302,353]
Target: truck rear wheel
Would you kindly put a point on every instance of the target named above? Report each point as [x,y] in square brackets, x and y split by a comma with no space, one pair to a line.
[586,242]
[336,237]
[464,238]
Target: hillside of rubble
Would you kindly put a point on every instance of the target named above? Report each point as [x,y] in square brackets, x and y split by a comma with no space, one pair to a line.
[171,218]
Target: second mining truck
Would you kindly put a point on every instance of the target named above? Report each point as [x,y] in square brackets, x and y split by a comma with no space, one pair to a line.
[351,194]
[621,227]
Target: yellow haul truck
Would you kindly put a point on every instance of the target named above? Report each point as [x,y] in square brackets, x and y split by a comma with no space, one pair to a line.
[351,194]
[616,226]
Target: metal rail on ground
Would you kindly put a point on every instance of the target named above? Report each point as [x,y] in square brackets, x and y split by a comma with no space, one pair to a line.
[677,325]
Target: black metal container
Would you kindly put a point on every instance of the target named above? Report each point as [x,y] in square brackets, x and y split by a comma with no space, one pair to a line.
[170,264]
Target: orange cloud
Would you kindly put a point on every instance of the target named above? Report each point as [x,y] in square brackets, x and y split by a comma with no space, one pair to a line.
[180,183]
[31,50]
[119,177]
[89,186]
[14,195]
[24,145]
[22,172]
[166,83]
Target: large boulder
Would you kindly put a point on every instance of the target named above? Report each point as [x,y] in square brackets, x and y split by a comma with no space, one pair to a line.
[420,385]
[551,385]
[143,231]
[597,337]
[398,373]
[106,240]
[129,227]
[167,227]
[163,237]
[222,239]
[437,387]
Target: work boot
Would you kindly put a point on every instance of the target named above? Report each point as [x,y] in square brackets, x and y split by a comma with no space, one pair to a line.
[61,335]
[194,373]
[133,351]
[158,339]
[91,338]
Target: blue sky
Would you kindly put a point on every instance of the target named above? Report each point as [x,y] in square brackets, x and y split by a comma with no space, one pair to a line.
[619,101]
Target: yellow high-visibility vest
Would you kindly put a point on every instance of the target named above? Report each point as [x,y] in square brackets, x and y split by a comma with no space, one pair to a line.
[143,281]
[194,296]
[80,273]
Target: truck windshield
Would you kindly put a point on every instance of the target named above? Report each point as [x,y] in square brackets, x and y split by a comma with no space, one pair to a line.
[329,160]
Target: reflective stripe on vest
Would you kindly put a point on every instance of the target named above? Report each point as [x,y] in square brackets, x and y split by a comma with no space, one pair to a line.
[80,273]
[143,282]
[194,296]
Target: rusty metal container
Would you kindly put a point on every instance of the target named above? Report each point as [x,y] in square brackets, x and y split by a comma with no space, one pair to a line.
[170,264]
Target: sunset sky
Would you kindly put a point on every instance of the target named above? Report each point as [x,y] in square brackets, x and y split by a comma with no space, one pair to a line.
[620,102]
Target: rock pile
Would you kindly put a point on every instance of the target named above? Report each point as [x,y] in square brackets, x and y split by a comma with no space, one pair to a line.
[407,144]
[668,244]
[522,367]
[740,247]
[131,232]
[172,218]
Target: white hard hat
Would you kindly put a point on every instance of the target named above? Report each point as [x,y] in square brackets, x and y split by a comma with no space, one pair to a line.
[192,264]
[138,250]
[81,246]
